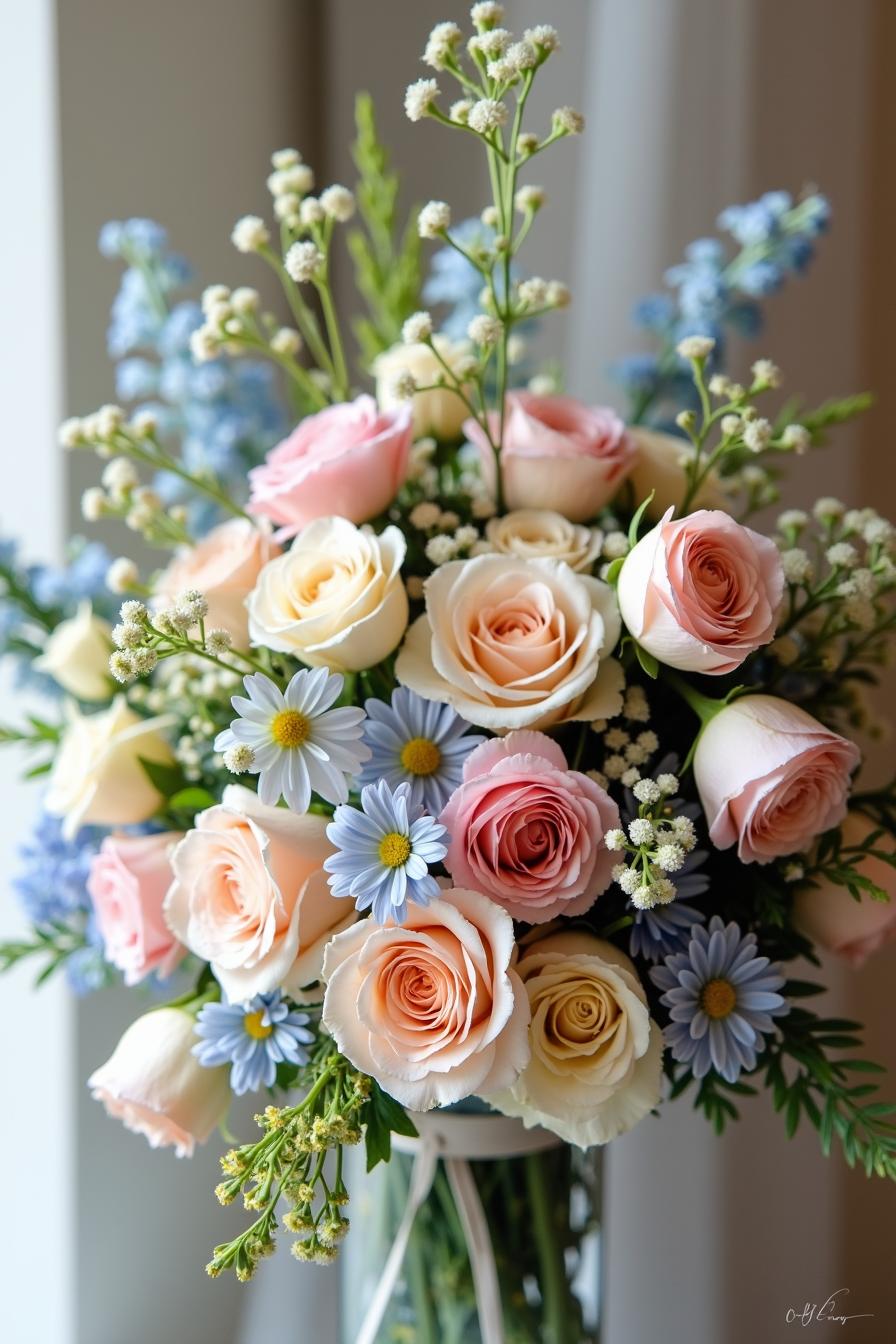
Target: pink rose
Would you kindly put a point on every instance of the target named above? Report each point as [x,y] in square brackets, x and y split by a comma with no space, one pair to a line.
[154,1084]
[831,918]
[771,777]
[349,459]
[430,1008]
[556,454]
[527,831]
[128,880]
[701,593]
[250,895]
[224,567]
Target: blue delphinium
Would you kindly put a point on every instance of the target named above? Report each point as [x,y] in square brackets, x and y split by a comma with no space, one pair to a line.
[226,413]
[417,742]
[253,1037]
[384,853]
[51,886]
[714,292]
[722,999]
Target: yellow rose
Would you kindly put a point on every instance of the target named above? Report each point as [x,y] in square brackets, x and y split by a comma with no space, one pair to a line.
[596,1056]
[97,778]
[76,655]
[438,411]
[335,599]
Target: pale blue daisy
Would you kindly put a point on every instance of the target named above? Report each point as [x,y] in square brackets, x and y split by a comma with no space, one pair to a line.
[417,742]
[293,740]
[722,998]
[253,1037]
[385,853]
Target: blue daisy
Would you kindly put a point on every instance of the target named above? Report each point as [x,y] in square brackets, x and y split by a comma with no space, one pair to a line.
[417,742]
[384,853]
[722,998]
[254,1037]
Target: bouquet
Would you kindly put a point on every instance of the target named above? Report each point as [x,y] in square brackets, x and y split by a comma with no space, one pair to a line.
[471,754]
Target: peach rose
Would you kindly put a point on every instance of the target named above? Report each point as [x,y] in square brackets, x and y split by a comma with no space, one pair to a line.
[701,593]
[437,411]
[596,1061]
[349,459]
[533,533]
[128,880]
[156,1087]
[556,453]
[97,778]
[830,916]
[515,643]
[430,1008]
[527,831]
[251,897]
[335,599]
[660,467]
[770,777]
[224,567]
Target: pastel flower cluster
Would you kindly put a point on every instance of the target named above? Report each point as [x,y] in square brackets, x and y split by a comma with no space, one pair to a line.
[466,742]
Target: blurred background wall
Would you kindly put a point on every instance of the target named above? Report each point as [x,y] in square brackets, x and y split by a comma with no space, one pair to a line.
[110,108]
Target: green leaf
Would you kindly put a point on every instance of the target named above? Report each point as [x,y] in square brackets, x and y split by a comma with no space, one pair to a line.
[636,520]
[383,1116]
[614,569]
[647,661]
[168,779]
[192,799]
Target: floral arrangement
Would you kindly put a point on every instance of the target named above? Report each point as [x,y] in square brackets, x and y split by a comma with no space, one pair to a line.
[471,743]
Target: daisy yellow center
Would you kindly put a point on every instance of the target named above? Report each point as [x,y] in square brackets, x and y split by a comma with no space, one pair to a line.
[289,728]
[718,998]
[395,849]
[256,1027]
[420,756]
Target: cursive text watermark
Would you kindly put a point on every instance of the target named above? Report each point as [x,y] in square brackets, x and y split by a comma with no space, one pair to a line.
[831,1311]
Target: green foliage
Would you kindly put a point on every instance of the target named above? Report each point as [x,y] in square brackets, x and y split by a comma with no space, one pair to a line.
[382,1115]
[827,416]
[54,943]
[387,257]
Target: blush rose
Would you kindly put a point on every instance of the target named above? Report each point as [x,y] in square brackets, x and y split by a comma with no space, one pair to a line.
[770,777]
[128,880]
[701,593]
[527,831]
[350,459]
[430,1008]
[556,453]
[828,915]
[224,567]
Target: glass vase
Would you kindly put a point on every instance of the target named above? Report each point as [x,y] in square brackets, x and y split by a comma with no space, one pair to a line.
[542,1214]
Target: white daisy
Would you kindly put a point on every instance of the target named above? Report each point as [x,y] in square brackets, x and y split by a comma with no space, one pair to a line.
[298,744]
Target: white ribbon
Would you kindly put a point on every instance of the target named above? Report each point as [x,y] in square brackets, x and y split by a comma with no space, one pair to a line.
[456,1140]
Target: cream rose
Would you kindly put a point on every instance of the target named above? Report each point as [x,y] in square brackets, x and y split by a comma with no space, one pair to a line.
[97,777]
[533,533]
[156,1087]
[76,655]
[438,411]
[224,567]
[770,777]
[701,593]
[515,643]
[251,897]
[430,1008]
[596,1060]
[660,467]
[335,599]
[828,914]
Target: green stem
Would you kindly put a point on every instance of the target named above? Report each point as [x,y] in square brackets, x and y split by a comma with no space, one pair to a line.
[704,706]
[553,1282]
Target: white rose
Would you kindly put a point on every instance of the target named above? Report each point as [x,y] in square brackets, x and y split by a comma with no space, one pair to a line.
[154,1084]
[515,643]
[596,1061]
[530,533]
[439,411]
[335,599]
[97,778]
[76,655]
[660,467]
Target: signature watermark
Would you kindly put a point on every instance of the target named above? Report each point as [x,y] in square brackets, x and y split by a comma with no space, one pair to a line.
[830,1312]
